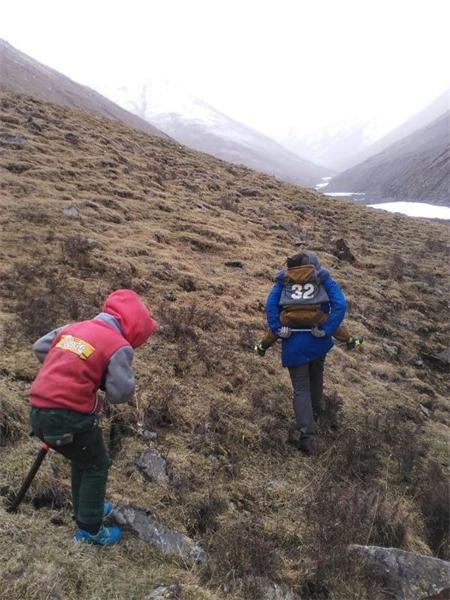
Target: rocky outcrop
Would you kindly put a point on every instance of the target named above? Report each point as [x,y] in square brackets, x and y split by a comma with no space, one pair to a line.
[167,540]
[406,575]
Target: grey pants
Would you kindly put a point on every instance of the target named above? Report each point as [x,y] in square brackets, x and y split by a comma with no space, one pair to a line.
[307,384]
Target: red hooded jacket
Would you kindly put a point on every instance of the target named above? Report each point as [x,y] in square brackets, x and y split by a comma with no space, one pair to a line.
[78,357]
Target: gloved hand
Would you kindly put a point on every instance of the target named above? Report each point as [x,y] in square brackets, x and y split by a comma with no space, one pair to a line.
[284,332]
[318,333]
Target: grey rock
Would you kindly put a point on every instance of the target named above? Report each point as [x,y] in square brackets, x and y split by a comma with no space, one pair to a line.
[237,264]
[275,483]
[440,360]
[392,351]
[149,435]
[153,466]
[71,211]
[72,138]
[437,292]
[424,410]
[262,588]
[273,591]
[165,592]
[167,540]
[405,575]
[342,251]
[16,140]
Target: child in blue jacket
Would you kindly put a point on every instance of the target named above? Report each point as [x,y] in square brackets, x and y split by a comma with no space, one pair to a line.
[305,310]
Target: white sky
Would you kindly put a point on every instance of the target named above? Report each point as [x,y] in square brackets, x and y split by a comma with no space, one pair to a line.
[273,64]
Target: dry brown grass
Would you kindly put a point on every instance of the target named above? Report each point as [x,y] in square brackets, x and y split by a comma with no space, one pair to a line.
[221,414]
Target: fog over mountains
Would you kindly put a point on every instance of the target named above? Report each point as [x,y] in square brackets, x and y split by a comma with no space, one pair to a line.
[343,145]
[198,125]
[409,163]
[423,118]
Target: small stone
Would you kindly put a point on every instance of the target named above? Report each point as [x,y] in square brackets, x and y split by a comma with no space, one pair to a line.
[237,264]
[149,435]
[248,192]
[33,125]
[165,592]
[392,351]
[437,292]
[71,212]
[425,411]
[343,252]
[439,359]
[72,138]
[17,140]
[275,483]
[192,187]
[153,466]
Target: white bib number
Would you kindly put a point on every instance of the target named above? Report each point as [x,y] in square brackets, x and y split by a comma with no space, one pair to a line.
[302,291]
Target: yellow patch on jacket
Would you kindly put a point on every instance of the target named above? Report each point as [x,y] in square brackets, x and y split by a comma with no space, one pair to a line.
[79,347]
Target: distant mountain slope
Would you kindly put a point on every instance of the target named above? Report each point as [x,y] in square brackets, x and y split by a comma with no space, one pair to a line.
[200,126]
[330,145]
[434,110]
[416,168]
[22,74]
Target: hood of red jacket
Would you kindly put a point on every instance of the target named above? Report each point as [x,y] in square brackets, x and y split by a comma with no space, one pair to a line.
[133,316]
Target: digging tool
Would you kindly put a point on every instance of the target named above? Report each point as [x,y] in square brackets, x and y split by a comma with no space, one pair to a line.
[17,499]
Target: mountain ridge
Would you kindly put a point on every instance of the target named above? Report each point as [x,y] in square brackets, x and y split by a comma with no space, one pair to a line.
[415,168]
[421,119]
[22,74]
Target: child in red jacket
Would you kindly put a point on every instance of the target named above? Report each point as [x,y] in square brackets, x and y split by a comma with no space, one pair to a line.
[77,360]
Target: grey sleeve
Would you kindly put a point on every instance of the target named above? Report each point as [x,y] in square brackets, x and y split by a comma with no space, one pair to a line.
[119,378]
[42,345]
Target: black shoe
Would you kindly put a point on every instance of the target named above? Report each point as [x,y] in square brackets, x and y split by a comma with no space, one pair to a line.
[307,447]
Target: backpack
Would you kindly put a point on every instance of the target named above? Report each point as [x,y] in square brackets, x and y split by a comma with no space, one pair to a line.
[302,287]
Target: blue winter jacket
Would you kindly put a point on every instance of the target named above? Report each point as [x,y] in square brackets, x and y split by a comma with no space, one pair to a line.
[302,347]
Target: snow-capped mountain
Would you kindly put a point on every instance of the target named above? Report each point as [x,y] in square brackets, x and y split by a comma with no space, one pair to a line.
[200,126]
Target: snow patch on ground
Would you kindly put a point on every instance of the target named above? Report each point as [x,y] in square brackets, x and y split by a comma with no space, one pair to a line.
[416,209]
[344,194]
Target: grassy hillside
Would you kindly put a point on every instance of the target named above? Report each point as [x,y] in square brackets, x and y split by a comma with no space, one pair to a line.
[89,205]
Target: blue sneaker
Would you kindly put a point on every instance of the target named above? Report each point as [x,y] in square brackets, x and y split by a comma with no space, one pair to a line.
[106,536]
[107,509]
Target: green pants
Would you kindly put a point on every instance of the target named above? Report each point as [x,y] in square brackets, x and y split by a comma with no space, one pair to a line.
[78,437]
